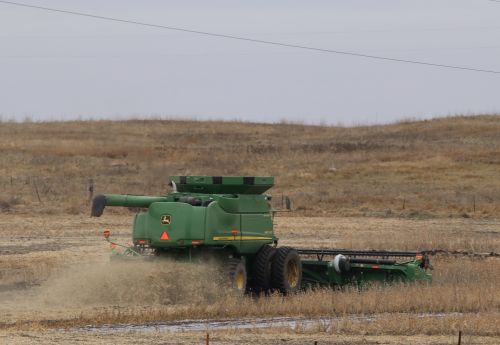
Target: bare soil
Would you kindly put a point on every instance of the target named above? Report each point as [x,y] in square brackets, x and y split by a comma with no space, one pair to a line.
[247,337]
[55,276]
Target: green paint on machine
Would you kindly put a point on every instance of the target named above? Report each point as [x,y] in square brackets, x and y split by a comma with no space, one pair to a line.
[229,218]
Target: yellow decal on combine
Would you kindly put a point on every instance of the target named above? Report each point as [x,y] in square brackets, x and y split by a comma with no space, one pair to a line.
[166,219]
[241,238]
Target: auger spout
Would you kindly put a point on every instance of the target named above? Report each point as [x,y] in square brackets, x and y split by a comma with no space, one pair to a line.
[124,200]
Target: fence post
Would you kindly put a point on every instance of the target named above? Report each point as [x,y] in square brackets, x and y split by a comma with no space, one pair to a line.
[207,339]
[459,337]
[36,190]
[90,189]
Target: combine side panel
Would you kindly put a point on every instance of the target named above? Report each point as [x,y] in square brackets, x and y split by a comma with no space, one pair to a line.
[139,228]
[256,230]
[222,228]
[173,224]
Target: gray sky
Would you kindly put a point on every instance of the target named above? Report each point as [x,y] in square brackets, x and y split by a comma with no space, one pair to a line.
[57,66]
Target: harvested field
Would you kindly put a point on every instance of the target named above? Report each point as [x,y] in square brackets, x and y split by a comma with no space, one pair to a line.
[430,185]
[73,285]
[245,337]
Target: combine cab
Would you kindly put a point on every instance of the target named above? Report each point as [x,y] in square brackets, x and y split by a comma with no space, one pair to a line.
[228,219]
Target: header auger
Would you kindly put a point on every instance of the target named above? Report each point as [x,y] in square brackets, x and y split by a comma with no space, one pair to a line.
[229,219]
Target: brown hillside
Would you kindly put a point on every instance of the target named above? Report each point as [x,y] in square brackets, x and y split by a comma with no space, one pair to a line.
[438,167]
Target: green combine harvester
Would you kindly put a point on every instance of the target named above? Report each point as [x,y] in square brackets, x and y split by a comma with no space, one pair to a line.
[229,220]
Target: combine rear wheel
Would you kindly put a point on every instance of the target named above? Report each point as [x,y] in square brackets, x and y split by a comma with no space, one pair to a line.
[237,275]
[286,270]
[262,267]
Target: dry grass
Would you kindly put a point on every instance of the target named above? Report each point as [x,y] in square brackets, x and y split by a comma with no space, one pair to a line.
[435,167]
[482,324]
[77,288]
[32,247]
[51,255]
[243,337]
[469,287]
[467,235]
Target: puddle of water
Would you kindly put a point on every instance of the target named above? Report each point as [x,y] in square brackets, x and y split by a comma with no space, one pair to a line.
[203,325]
[207,325]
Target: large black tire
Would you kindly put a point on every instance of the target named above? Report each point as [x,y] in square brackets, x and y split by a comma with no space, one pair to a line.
[286,275]
[237,275]
[262,268]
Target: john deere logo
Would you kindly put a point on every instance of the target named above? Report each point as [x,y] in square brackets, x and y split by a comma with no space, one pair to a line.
[166,219]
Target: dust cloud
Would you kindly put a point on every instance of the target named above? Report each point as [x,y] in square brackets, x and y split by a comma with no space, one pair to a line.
[129,283]
[122,283]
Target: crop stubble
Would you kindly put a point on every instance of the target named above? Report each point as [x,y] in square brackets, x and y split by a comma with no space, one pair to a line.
[66,280]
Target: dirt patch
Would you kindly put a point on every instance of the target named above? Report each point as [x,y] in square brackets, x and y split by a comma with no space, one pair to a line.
[229,337]
[17,249]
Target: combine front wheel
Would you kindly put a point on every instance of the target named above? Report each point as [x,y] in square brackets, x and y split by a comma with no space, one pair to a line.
[286,270]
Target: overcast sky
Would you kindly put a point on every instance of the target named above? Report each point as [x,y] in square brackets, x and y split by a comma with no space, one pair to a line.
[58,66]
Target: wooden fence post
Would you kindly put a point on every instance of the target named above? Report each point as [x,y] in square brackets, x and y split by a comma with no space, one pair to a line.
[33,180]
[90,189]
